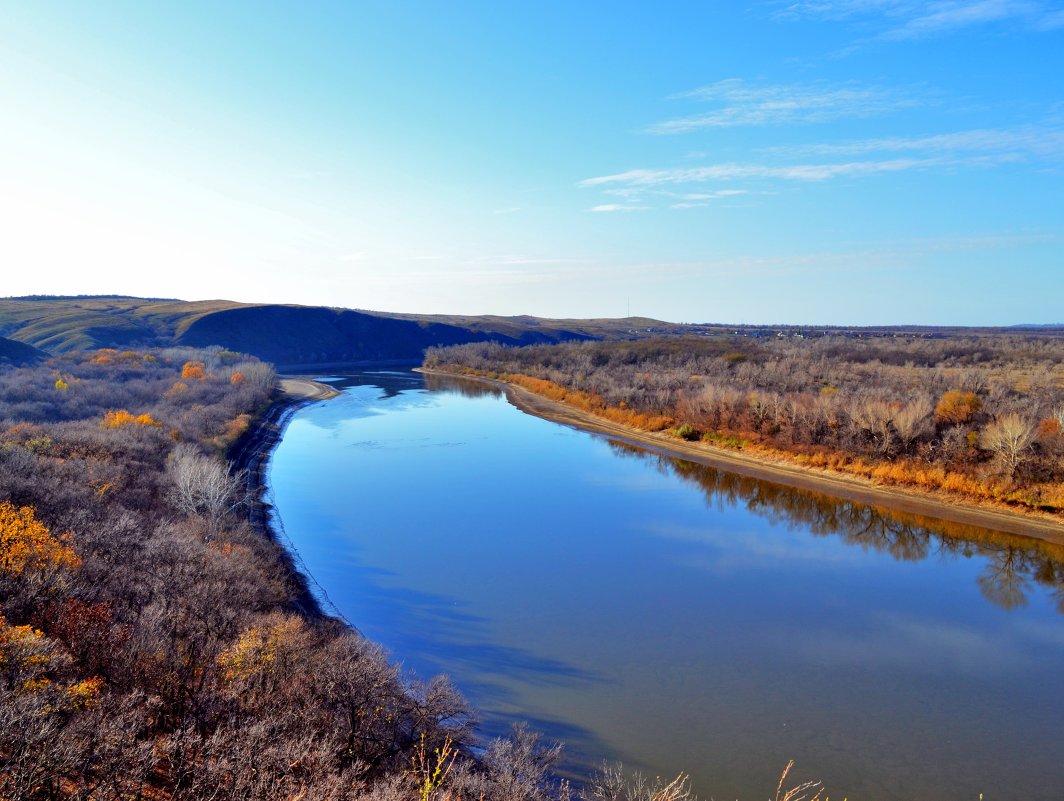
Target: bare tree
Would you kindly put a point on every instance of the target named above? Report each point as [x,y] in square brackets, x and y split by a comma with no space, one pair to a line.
[913,420]
[1010,438]
[205,486]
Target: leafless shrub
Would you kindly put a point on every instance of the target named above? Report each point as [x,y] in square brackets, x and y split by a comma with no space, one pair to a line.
[1010,438]
[610,783]
[205,486]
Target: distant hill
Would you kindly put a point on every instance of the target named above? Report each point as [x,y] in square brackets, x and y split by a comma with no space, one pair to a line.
[319,336]
[286,335]
[19,353]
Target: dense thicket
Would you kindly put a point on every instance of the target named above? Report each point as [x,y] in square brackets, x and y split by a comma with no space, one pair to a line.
[978,415]
[148,647]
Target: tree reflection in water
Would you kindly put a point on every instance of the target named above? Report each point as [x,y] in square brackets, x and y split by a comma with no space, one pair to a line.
[1013,562]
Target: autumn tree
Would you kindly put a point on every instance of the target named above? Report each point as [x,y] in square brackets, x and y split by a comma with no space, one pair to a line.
[194,371]
[957,406]
[32,561]
[26,545]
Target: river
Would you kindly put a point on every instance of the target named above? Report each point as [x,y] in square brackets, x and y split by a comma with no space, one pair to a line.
[651,610]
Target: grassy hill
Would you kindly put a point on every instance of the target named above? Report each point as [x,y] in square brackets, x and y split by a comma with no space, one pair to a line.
[283,334]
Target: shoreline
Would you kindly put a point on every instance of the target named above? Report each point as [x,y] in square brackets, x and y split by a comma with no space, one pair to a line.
[252,453]
[850,488]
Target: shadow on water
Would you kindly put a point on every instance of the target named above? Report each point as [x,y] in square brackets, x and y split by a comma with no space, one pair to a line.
[450,639]
[389,382]
[1013,563]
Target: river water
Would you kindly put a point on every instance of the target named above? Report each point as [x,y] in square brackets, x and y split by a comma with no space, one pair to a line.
[672,616]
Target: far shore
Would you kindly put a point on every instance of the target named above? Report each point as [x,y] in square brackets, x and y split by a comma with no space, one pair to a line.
[854,488]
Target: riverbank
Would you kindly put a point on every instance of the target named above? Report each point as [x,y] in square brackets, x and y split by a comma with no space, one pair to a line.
[854,488]
[251,453]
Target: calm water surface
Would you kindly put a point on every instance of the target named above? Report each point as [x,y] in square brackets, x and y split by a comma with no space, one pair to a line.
[672,616]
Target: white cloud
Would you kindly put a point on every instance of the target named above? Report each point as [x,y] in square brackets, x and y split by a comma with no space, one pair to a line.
[817,163]
[610,207]
[731,172]
[1041,142]
[906,19]
[741,104]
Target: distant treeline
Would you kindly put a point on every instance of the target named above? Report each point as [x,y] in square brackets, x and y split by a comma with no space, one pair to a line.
[980,416]
[83,297]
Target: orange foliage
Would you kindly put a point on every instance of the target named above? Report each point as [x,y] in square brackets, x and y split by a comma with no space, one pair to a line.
[26,544]
[194,371]
[233,431]
[592,403]
[1049,427]
[120,418]
[112,356]
[236,379]
[957,407]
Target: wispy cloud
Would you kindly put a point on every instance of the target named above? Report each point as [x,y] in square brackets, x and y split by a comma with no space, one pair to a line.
[731,172]
[906,19]
[816,163]
[611,207]
[738,103]
[522,260]
[1032,141]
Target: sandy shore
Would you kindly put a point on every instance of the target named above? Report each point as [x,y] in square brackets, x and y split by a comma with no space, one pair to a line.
[848,487]
[300,388]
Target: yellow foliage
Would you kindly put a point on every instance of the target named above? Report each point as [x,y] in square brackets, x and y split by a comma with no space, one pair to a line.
[260,648]
[85,694]
[26,544]
[431,772]
[21,656]
[27,658]
[61,385]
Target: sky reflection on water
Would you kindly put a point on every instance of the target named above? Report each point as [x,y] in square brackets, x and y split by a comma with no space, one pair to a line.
[675,616]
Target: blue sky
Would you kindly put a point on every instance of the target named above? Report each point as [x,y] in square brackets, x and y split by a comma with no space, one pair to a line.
[830,161]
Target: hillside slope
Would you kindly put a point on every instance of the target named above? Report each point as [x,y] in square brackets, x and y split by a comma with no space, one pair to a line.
[19,353]
[286,335]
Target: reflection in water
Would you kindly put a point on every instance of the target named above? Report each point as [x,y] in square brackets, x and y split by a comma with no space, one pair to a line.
[465,387]
[1012,562]
[673,615]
